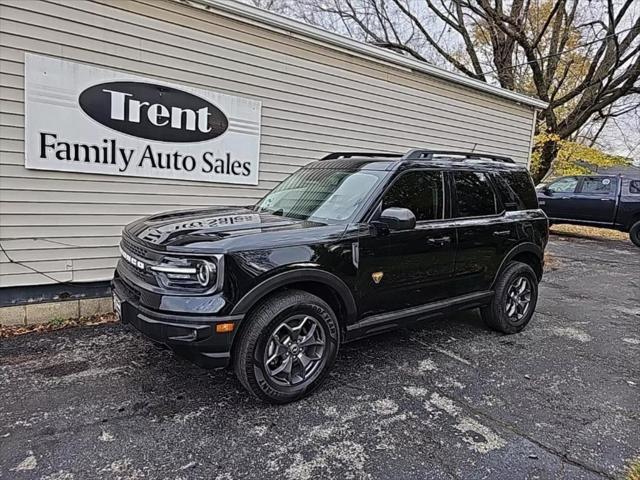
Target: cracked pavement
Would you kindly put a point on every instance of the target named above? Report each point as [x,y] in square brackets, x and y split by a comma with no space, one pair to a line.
[447,399]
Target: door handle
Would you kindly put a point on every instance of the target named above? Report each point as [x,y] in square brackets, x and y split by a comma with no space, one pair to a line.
[606,199]
[439,241]
[502,233]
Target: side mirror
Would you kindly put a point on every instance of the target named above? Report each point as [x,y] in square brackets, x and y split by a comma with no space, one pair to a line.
[546,190]
[397,219]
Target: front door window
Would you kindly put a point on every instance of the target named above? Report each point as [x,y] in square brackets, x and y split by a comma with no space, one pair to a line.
[564,185]
[422,192]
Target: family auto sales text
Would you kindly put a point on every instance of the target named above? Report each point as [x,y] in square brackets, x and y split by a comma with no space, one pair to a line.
[127,159]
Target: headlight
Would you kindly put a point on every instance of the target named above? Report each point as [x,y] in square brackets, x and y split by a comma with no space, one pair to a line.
[204,271]
[191,274]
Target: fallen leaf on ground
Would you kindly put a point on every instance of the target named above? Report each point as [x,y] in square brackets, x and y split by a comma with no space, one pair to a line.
[15,330]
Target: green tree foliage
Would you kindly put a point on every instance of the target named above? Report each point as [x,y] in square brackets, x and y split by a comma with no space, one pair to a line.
[572,158]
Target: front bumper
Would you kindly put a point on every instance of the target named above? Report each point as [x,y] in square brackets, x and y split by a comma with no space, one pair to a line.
[191,336]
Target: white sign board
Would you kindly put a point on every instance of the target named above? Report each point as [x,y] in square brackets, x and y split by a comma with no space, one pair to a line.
[80,118]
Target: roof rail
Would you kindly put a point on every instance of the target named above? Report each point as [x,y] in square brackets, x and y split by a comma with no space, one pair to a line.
[420,154]
[425,154]
[335,155]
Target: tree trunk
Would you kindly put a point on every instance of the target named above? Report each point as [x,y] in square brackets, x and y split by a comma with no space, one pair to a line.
[548,153]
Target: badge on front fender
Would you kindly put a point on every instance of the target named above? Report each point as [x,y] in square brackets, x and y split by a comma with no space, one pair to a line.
[377,277]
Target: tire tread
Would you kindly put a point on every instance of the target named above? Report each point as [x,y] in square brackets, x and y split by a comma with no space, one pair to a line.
[255,323]
[492,314]
[634,233]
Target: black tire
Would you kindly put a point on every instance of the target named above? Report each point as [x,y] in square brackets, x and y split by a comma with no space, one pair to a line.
[496,314]
[262,333]
[634,233]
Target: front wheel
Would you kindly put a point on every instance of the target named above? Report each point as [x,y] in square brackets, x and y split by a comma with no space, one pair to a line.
[287,347]
[514,301]
[634,233]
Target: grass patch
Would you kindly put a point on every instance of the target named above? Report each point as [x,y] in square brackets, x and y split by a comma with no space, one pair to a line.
[56,324]
[589,232]
[633,472]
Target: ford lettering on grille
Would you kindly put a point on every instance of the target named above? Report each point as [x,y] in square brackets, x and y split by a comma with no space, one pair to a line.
[132,260]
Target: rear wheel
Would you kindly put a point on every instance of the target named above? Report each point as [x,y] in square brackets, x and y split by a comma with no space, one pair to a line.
[634,233]
[288,346]
[514,301]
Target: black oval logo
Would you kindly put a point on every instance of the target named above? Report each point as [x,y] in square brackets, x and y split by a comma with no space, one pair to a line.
[154,112]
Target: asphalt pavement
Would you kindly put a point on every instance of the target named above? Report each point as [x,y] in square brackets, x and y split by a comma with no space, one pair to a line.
[449,399]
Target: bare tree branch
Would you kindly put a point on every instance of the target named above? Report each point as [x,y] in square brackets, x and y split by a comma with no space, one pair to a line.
[450,58]
[582,57]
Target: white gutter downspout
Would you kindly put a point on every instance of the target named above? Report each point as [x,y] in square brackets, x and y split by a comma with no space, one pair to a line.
[533,133]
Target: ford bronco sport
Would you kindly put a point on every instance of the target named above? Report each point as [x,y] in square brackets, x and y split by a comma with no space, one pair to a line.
[352,245]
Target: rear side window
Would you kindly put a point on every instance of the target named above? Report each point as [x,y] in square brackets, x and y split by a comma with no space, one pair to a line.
[474,195]
[597,185]
[634,186]
[420,191]
[517,190]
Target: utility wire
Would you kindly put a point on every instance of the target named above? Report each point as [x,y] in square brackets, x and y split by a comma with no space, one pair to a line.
[577,47]
[35,270]
[22,264]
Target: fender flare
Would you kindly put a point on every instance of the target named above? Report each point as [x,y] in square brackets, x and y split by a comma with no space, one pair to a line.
[290,278]
[527,247]
[634,218]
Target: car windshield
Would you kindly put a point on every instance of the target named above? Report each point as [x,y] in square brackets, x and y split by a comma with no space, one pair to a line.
[320,194]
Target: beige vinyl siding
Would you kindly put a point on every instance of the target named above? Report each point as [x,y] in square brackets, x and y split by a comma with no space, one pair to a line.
[315,99]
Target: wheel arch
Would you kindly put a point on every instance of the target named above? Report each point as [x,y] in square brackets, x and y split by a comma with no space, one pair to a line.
[528,253]
[325,285]
[635,218]
[634,236]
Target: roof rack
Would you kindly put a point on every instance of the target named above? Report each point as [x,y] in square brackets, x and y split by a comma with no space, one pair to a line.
[421,154]
[424,154]
[335,155]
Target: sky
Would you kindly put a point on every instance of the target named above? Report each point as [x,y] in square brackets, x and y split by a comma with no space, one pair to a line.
[620,136]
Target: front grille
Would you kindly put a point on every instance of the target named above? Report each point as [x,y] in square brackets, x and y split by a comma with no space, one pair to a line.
[145,255]
[145,275]
[135,249]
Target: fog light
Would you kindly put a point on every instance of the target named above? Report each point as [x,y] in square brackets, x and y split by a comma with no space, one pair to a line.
[224,327]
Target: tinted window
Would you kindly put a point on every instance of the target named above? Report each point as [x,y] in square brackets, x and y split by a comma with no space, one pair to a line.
[601,185]
[420,191]
[474,195]
[517,190]
[564,185]
[634,186]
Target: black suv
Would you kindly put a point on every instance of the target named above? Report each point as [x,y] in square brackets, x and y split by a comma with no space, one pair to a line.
[349,246]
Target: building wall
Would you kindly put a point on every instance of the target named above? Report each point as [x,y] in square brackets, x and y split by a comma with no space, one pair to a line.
[315,99]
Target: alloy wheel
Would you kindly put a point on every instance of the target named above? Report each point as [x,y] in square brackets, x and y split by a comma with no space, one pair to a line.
[518,299]
[295,350]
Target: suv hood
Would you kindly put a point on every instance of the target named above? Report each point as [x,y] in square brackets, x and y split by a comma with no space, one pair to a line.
[219,228]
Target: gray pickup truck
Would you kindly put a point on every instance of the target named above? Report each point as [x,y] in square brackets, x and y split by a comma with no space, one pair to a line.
[606,201]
